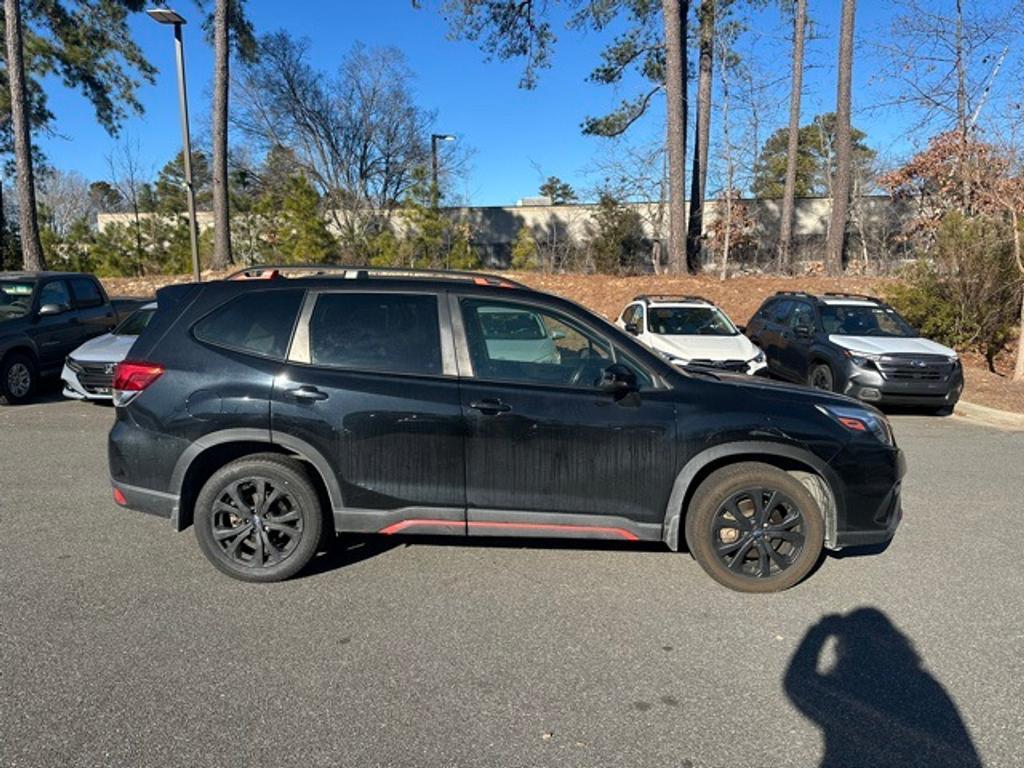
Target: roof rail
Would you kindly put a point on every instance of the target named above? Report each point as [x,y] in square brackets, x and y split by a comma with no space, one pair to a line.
[670,297]
[795,293]
[273,271]
[845,295]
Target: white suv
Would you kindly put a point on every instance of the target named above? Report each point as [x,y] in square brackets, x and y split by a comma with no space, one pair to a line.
[690,330]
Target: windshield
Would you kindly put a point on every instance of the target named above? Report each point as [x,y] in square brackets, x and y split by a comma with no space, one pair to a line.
[689,321]
[134,323]
[855,320]
[15,298]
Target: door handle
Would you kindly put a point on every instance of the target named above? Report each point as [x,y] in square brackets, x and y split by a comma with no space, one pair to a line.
[308,394]
[491,406]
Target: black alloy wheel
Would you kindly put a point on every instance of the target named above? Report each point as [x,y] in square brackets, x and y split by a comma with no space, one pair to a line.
[823,378]
[259,518]
[754,528]
[759,532]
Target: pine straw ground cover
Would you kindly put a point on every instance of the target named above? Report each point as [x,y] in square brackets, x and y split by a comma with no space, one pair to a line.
[740,296]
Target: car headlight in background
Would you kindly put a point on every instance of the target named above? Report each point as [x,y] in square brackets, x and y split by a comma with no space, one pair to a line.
[861,358]
[860,420]
[758,358]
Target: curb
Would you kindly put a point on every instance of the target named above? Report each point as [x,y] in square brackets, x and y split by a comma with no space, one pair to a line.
[990,416]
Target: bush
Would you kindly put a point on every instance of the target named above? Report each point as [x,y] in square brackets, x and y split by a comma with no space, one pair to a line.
[968,295]
[619,246]
[524,251]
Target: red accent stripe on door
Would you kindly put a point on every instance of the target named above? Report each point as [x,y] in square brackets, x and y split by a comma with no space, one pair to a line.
[619,532]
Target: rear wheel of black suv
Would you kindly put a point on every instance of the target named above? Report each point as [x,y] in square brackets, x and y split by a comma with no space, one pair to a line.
[754,528]
[259,518]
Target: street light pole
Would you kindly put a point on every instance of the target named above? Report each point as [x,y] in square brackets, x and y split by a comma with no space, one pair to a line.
[434,138]
[167,16]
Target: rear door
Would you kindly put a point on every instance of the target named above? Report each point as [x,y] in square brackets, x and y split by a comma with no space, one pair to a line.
[547,451]
[371,386]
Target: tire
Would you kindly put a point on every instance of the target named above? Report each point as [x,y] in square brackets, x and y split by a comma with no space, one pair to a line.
[18,379]
[786,509]
[270,542]
[821,377]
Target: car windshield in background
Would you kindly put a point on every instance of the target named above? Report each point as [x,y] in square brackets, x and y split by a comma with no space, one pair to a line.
[15,298]
[499,325]
[689,321]
[857,320]
[135,323]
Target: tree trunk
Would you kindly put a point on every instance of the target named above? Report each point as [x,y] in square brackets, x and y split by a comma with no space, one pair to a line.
[221,75]
[844,146]
[793,145]
[676,14]
[702,134]
[1018,369]
[31,247]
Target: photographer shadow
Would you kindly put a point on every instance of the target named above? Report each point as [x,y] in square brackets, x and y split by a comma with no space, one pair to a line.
[875,702]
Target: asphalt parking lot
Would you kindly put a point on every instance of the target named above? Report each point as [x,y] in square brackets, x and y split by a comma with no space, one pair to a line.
[121,646]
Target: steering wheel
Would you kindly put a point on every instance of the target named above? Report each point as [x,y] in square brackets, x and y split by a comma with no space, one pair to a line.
[585,370]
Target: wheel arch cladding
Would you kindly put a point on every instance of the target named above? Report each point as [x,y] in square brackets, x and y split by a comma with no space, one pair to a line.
[814,473]
[206,456]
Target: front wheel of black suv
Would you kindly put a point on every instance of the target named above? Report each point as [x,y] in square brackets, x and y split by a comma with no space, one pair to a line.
[822,377]
[17,379]
[259,518]
[754,528]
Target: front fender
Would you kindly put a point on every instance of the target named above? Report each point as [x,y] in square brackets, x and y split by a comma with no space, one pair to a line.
[687,480]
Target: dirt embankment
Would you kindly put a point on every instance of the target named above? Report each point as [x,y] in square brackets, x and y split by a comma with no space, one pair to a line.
[739,296]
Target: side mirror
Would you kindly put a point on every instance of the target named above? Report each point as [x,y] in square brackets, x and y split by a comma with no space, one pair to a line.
[52,309]
[557,335]
[617,378]
[633,328]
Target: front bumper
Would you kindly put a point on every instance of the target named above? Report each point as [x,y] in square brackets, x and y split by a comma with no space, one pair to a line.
[873,506]
[869,385]
[79,385]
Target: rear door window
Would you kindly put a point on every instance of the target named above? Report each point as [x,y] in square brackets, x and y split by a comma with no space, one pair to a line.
[87,293]
[780,311]
[385,332]
[259,322]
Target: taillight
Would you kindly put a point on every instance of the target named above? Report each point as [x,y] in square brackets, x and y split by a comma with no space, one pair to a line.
[132,377]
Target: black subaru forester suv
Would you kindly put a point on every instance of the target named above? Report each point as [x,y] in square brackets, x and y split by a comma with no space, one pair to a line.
[273,414]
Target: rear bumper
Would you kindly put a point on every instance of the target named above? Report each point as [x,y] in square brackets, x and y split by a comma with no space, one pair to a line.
[145,500]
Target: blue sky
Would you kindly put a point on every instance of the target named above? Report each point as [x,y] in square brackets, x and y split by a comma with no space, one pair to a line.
[515,135]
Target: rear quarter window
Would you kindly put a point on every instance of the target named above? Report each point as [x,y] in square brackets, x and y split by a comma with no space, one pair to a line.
[259,322]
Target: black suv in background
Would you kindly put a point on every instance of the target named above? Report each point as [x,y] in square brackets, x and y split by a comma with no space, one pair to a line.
[43,317]
[270,413]
[857,345]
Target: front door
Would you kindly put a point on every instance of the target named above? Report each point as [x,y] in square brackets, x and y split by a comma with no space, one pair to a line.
[549,453]
[371,386]
[55,335]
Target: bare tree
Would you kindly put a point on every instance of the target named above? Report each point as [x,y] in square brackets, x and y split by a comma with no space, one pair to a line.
[676,13]
[792,148]
[702,135]
[31,246]
[359,136]
[128,178]
[844,145]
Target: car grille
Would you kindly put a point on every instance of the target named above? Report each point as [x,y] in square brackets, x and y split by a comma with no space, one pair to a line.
[95,378]
[722,365]
[915,367]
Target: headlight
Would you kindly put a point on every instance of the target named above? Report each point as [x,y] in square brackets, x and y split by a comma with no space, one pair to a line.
[758,358]
[861,358]
[860,420]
